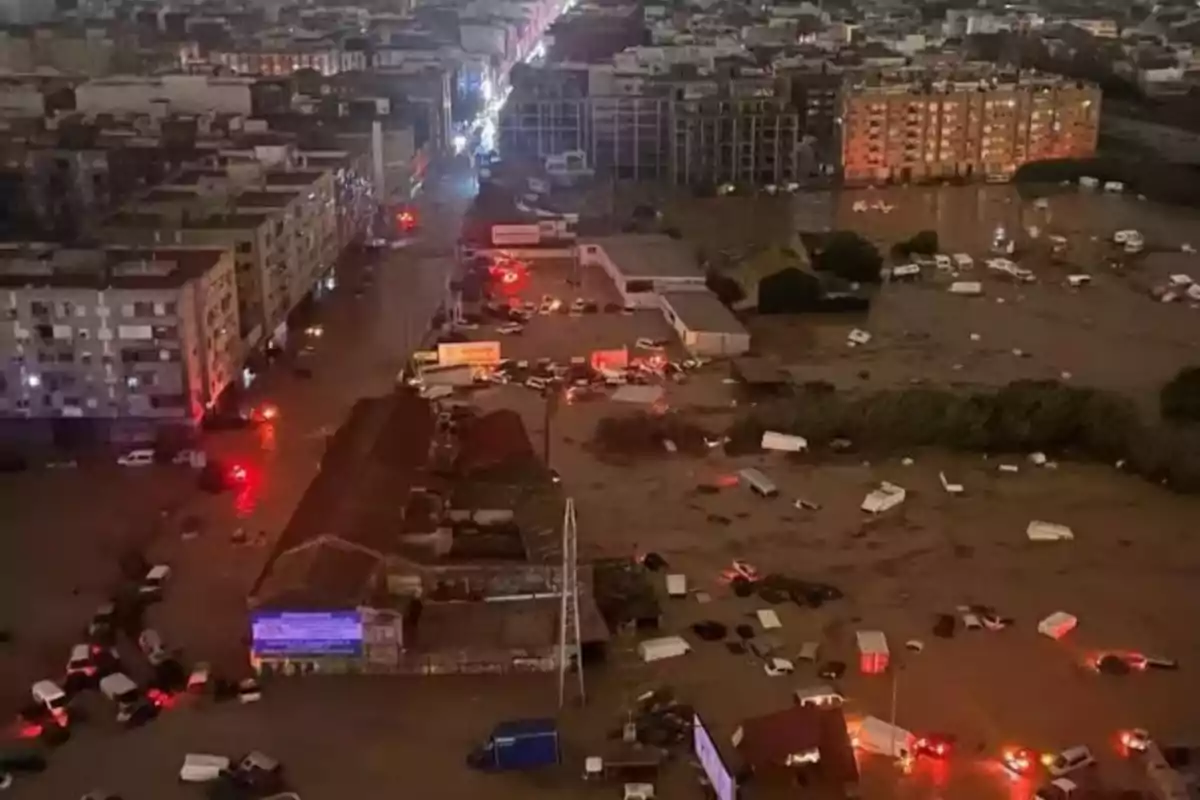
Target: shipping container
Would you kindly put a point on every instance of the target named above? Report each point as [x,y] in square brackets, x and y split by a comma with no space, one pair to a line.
[518,745]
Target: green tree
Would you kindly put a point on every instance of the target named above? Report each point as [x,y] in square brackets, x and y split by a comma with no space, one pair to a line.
[1179,398]
[849,256]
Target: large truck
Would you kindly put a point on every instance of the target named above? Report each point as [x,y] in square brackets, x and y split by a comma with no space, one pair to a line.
[876,736]
[516,745]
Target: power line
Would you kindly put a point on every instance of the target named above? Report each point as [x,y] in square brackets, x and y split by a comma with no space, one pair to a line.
[569,638]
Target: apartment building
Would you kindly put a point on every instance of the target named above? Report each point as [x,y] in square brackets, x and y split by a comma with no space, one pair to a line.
[282,226]
[114,342]
[285,56]
[191,94]
[982,129]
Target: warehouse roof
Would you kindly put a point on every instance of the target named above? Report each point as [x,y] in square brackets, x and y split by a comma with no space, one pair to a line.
[356,508]
[702,312]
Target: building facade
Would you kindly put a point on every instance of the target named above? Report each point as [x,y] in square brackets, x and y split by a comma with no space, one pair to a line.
[681,136]
[130,339]
[282,226]
[968,130]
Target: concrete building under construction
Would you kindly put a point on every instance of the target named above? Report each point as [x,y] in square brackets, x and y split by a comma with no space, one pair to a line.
[687,126]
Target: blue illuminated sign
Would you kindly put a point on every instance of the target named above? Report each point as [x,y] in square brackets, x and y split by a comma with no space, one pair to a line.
[307,633]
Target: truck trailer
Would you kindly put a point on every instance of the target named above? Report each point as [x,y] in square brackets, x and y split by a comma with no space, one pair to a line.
[517,745]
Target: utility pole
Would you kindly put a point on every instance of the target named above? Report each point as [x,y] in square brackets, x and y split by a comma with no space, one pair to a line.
[550,409]
[570,648]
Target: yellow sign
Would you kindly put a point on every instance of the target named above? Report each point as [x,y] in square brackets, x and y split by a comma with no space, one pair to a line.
[481,353]
[425,356]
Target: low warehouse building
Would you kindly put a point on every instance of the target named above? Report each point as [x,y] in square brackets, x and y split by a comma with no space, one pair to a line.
[705,326]
[642,266]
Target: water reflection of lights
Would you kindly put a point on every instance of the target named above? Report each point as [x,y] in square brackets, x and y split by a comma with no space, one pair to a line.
[248,494]
[266,437]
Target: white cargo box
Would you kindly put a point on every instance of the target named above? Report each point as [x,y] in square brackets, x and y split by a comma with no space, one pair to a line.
[858,336]
[676,585]
[877,736]
[768,619]
[906,271]
[963,261]
[1114,186]
[664,647]
[967,288]
[1039,531]
[1079,280]
[1057,625]
[202,768]
[1179,279]
[1089,182]
[783,442]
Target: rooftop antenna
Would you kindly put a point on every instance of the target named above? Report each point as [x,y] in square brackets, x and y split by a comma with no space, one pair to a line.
[569,647]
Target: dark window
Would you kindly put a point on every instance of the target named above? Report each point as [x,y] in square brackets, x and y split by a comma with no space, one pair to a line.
[244,247]
[168,401]
[638,287]
[39,309]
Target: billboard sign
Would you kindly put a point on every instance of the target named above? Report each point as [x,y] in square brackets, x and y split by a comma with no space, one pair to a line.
[719,777]
[616,359]
[515,235]
[476,353]
[307,633]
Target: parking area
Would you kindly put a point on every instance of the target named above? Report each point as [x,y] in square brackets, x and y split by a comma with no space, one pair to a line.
[561,334]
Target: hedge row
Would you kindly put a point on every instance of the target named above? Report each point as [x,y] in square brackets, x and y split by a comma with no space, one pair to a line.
[1024,416]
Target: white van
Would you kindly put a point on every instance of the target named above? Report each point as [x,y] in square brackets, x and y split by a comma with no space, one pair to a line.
[152,645]
[202,768]
[759,484]
[1070,760]
[136,458]
[664,647]
[119,688]
[820,696]
[50,696]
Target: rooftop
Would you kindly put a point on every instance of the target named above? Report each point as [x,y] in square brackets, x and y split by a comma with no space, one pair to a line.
[266,199]
[357,501]
[702,311]
[36,266]
[531,624]
[649,256]
[148,220]
[769,740]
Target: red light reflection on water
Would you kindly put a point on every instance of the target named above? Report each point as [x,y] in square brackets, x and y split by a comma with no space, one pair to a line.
[935,771]
[248,493]
[266,437]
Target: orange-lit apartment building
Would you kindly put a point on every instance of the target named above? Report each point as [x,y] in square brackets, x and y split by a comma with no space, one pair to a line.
[971,130]
[285,57]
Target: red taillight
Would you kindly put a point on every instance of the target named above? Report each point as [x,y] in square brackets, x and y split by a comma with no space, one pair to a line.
[29,730]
